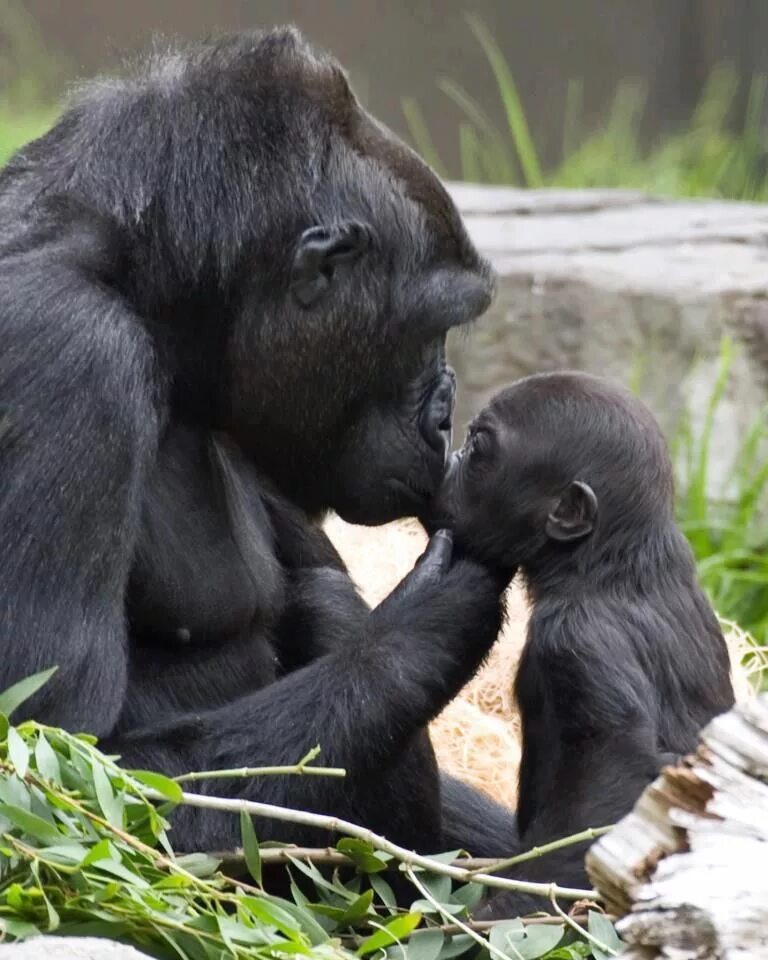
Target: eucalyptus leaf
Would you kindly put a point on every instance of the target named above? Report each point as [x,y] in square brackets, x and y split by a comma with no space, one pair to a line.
[446,857]
[311,926]
[383,891]
[14,792]
[539,939]
[571,951]
[46,761]
[438,885]
[250,847]
[270,911]
[32,825]
[311,871]
[425,906]
[111,805]
[391,932]
[19,929]
[156,781]
[14,696]
[18,753]
[69,854]
[103,850]
[364,856]
[425,945]
[118,870]
[357,910]
[470,894]
[457,946]
[199,864]
[600,927]
[505,935]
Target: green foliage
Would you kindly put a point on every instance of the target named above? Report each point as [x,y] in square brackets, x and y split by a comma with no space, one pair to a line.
[29,76]
[18,127]
[709,158]
[728,531]
[84,850]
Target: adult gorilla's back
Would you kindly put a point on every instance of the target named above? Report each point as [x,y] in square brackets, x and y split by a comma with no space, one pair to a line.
[224,294]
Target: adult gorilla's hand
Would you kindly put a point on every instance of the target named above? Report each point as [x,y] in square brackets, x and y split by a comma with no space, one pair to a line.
[443,618]
[431,566]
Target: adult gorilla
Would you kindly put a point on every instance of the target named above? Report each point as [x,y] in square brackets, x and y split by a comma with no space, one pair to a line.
[224,295]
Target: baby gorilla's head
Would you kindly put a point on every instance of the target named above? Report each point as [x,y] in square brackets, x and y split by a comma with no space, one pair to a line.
[555,469]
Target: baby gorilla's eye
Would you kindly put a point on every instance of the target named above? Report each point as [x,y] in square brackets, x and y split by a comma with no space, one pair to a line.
[480,442]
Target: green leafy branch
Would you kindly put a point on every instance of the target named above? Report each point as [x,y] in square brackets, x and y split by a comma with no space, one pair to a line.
[84,850]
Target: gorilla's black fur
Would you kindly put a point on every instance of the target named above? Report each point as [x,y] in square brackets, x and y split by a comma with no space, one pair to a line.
[224,296]
[567,479]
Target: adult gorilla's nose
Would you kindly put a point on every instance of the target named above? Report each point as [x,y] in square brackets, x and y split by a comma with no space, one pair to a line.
[437,415]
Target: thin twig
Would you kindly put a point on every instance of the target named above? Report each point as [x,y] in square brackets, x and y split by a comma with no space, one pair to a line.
[591,833]
[295,770]
[327,856]
[337,825]
[580,930]
[463,927]
[451,929]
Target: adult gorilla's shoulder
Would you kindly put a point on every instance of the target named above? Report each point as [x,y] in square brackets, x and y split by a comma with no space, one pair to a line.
[224,295]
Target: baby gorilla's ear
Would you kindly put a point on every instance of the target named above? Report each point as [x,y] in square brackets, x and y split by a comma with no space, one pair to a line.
[575,514]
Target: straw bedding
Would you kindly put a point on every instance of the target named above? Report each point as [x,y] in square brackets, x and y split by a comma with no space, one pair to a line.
[477,736]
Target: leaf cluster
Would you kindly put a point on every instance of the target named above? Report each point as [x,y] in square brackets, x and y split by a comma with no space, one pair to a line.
[85,850]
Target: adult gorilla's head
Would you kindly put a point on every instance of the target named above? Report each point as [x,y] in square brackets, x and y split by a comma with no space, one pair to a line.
[300,267]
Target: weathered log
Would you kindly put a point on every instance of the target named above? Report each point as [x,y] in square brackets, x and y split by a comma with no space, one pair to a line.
[688,867]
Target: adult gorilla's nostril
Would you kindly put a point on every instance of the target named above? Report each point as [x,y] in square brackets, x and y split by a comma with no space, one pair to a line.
[437,418]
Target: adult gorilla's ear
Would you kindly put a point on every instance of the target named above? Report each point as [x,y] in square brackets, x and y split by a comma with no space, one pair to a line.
[575,514]
[320,253]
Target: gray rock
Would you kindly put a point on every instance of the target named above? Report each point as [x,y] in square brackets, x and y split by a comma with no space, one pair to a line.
[69,948]
[636,288]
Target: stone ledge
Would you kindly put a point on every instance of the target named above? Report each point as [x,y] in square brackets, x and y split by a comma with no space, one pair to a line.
[637,288]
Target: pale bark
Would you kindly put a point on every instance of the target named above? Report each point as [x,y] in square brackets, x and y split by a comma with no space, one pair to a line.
[689,865]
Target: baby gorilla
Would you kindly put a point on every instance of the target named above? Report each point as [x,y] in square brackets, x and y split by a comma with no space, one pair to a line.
[567,480]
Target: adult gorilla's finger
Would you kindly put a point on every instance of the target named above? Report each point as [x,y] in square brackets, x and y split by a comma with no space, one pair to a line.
[437,557]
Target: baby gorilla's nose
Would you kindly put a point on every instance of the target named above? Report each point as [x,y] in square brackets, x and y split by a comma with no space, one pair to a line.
[437,417]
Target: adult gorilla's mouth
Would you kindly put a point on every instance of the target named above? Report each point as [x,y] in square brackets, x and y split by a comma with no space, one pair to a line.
[396,463]
[410,494]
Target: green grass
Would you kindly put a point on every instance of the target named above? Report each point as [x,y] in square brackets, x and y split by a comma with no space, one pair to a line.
[728,531]
[18,127]
[708,158]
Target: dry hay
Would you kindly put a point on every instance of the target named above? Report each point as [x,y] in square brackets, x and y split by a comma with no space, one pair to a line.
[477,736]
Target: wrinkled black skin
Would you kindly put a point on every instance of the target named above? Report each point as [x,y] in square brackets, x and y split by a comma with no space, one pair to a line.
[224,296]
[624,660]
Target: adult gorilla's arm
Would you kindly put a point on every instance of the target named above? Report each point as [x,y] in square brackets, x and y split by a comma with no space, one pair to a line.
[365,706]
[79,427]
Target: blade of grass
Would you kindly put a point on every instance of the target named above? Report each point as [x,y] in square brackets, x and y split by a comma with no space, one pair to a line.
[518,124]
